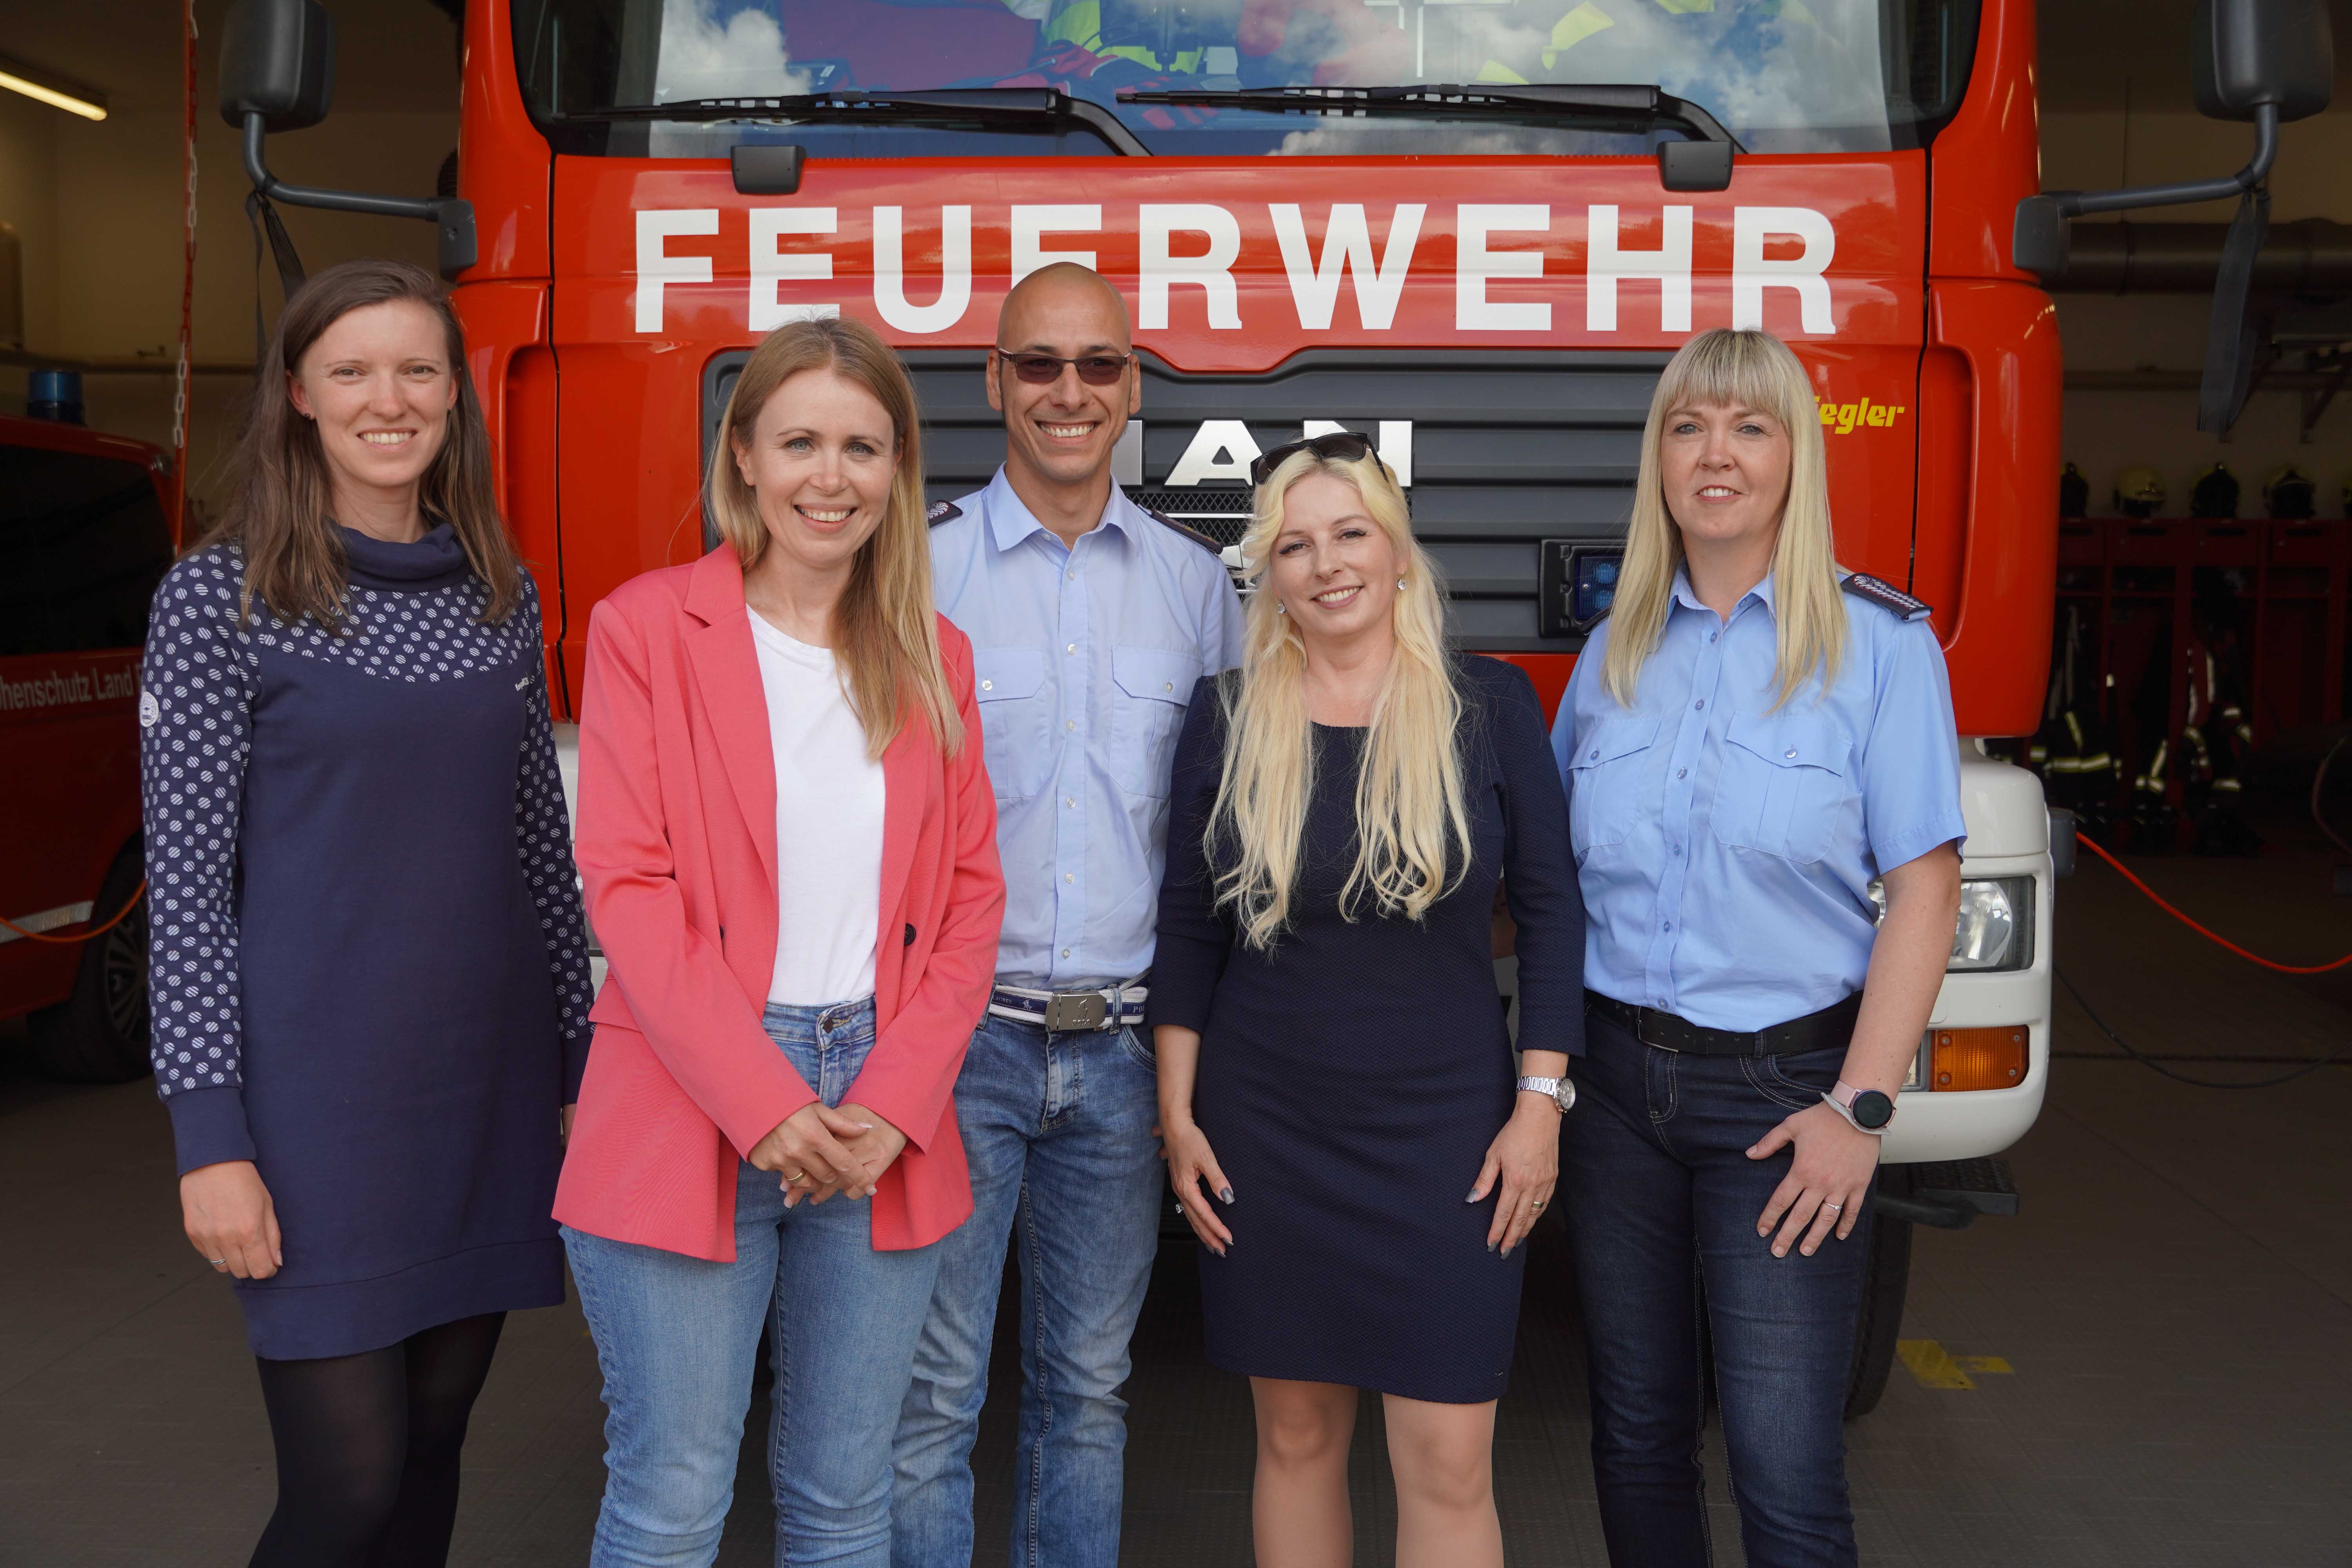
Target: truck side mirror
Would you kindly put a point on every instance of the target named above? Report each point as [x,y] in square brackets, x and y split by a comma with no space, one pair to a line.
[278,73]
[2249,53]
[278,60]
[2267,61]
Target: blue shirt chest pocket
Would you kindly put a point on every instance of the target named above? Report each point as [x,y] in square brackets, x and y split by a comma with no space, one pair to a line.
[1016,718]
[1786,786]
[1154,685]
[1603,780]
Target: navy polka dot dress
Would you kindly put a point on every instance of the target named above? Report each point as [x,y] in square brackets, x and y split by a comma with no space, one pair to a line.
[369,969]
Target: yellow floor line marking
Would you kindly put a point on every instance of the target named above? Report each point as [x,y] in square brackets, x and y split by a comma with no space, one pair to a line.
[1931,1365]
[1984,1364]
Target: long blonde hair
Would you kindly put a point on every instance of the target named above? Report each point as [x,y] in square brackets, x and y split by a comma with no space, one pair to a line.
[884,631]
[1413,831]
[1738,369]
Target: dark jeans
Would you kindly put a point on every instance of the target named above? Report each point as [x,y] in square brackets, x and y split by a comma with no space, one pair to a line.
[1663,1202]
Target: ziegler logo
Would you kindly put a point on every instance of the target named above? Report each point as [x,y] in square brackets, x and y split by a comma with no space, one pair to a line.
[1221,451]
[1844,418]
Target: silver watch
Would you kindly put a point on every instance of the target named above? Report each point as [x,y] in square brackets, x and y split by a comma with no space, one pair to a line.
[1561,1092]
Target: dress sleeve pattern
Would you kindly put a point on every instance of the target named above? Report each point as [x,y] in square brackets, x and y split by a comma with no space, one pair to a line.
[1195,935]
[543,847]
[195,716]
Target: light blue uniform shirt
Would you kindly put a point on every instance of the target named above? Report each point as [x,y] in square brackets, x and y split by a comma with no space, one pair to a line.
[1725,848]
[1084,661]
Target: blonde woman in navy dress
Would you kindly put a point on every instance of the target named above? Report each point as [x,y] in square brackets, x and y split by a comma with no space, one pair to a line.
[1750,740]
[1344,1128]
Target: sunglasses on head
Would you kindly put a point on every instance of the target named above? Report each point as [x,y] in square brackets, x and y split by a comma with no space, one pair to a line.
[1339,446]
[1044,370]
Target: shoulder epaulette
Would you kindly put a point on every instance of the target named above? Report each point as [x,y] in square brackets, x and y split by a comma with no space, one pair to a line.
[1886,596]
[942,512]
[1204,541]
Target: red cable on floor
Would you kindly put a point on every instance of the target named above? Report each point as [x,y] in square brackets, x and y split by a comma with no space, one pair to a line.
[2201,931]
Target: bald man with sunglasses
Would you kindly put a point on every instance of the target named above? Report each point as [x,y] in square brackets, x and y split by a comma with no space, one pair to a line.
[1090,619]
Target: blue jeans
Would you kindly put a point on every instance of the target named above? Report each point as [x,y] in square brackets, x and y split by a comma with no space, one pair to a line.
[1057,1128]
[1662,1205]
[676,1336]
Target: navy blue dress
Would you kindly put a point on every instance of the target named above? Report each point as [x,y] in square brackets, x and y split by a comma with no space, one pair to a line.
[368,966]
[1352,1079]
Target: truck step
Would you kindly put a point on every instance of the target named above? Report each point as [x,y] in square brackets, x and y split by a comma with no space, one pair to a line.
[1983,1184]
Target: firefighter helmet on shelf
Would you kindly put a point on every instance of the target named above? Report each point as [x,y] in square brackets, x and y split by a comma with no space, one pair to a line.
[2214,493]
[2074,492]
[2139,491]
[2289,494]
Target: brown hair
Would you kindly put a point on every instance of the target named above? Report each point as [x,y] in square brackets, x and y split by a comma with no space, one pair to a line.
[887,635]
[282,495]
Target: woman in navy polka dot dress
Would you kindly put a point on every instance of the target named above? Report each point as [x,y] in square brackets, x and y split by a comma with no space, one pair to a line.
[370,968]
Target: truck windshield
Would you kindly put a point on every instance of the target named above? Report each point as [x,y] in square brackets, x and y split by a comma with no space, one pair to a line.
[1781,74]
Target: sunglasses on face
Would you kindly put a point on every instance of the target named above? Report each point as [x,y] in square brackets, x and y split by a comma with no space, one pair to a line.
[1339,446]
[1044,370]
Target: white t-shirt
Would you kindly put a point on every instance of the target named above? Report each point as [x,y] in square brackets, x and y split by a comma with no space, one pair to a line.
[829,797]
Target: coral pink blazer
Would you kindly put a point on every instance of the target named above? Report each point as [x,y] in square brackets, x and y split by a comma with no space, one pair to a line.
[677,842]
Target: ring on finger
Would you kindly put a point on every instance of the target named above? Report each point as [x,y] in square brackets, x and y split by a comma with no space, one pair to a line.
[217,1262]
[1833,1208]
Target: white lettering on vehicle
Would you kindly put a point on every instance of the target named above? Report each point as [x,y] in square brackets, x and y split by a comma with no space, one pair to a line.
[771,267]
[1605,266]
[1031,224]
[891,271]
[1346,243]
[1212,238]
[656,270]
[1161,270]
[1221,451]
[1474,265]
[1752,271]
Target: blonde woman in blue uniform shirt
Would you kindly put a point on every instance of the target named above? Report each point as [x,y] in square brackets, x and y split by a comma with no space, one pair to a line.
[1750,741]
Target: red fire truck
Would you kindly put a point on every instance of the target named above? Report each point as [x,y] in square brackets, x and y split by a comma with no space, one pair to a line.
[1474,229]
[85,535]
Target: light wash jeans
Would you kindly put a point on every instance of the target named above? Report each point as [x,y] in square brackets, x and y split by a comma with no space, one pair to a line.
[1057,1128]
[676,1336]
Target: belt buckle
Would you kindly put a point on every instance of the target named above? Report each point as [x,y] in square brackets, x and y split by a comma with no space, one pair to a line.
[1641,1030]
[1075,1011]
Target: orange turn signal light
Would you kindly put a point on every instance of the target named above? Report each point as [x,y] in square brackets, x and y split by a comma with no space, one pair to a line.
[1978,1058]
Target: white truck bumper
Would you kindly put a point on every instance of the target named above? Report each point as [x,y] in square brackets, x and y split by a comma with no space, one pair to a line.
[2009,836]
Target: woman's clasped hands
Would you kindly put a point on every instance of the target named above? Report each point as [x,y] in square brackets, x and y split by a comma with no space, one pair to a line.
[820,1151]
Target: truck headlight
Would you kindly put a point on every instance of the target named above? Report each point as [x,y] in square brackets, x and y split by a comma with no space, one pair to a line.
[1995,931]
[1995,925]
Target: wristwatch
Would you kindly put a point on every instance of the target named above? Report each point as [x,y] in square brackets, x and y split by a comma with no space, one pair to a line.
[1866,1110]
[1560,1090]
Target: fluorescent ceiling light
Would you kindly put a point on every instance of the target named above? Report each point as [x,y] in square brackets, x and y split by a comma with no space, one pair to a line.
[52,89]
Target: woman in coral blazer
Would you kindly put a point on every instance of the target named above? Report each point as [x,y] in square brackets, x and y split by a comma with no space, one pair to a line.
[800,905]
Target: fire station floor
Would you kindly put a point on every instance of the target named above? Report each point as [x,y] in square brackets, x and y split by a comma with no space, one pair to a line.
[2162,1328]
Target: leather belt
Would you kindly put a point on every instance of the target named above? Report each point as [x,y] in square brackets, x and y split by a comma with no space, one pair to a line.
[1070,1012]
[1833,1025]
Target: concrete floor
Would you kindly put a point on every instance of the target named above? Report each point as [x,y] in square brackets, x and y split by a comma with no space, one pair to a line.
[2173,1303]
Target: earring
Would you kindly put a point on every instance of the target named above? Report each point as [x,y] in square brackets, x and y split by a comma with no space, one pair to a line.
[1280,608]
[1400,584]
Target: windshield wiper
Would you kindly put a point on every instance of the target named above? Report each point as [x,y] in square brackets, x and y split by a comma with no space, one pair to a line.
[1043,107]
[1599,104]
